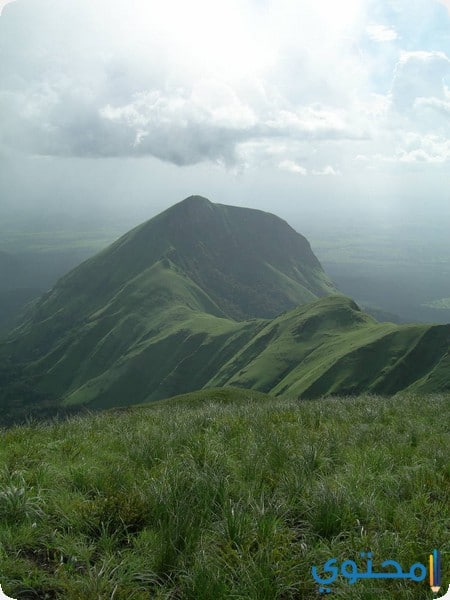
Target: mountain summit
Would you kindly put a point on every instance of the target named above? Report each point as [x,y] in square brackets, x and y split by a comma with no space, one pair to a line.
[185,280]
[248,262]
[208,295]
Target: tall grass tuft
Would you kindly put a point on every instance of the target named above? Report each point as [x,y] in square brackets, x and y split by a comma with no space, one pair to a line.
[207,499]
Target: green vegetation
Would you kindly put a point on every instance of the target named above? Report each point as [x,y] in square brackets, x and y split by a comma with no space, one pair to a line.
[192,299]
[171,288]
[129,353]
[224,494]
[331,347]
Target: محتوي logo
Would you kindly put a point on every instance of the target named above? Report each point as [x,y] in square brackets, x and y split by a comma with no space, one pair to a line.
[435,571]
[391,570]
[436,575]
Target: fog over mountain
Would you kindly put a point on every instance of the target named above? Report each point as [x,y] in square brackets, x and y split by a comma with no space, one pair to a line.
[333,115]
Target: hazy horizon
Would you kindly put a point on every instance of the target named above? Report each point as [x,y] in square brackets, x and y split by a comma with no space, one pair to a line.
[333,116]
[298,108]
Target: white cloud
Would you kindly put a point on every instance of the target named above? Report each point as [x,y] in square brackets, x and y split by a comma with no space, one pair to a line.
[208,103]
[246,84]
[428,148]
[183,127]
[419,74]
[445,3]
[429,58]
[293,167]
[441,106]
[3,3]
[314,121]
[185,89]
[328,170]
[418,150]
[381,33]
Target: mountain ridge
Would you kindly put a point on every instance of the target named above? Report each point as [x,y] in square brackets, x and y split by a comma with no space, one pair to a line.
[206,295]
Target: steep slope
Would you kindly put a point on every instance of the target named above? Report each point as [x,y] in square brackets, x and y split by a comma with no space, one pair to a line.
[249,263]
[136,344]
[129,318]
[160,312]
[323,348]
[331,347]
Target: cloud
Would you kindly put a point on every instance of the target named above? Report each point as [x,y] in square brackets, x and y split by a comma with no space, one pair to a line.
[313,122]
[410,126]
[328,170]
[292,167]
[245,84]
[428,149]
[414,151]
[442,107]
[211,121]
[445,3]
[3,3]
[381,33]
[118,79]
[184,126]
[419,74]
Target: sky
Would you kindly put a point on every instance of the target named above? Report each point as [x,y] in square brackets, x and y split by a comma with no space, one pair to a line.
[312,107]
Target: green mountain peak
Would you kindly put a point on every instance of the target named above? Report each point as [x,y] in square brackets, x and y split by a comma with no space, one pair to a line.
[208,295]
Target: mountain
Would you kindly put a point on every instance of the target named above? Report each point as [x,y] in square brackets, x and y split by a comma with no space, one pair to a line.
[247,262]
[332,347]
[226,261]
[209,295]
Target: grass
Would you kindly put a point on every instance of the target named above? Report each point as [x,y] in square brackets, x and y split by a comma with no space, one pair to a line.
[206,295]
[155,339]
[224,494]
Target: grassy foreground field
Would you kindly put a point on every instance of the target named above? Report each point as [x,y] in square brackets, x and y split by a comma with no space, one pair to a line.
[225,494]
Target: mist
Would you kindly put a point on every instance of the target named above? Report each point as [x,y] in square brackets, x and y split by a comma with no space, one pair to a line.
[333,117]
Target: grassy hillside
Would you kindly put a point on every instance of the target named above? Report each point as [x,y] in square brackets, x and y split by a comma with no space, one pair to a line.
[247,262]
[225,494]
[160,312]
[129,319]
[158,342]
[332,347]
